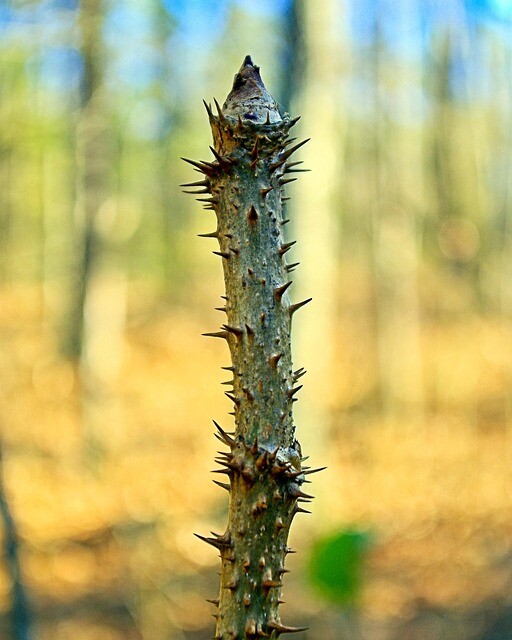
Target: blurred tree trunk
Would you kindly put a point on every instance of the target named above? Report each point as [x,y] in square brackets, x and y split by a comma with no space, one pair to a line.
[98,298]
[455,170]
[93,168]
[5,204]
[395,217]
[316,204]
[293,56]
[20,610]
[165,168]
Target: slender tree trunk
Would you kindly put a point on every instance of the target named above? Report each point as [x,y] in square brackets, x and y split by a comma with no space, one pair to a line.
[264,460]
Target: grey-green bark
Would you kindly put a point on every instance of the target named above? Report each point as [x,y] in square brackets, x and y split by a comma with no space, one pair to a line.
[263,462]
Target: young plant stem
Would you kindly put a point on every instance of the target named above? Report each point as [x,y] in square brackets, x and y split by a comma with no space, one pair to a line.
[263,462]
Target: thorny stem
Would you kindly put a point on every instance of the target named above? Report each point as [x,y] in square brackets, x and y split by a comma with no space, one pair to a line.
[263,463]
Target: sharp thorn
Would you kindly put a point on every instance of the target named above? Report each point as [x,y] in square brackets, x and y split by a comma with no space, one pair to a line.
[252,215]
[235,330]
[274,359]
[286,247]
[314,470]
[292,150]
[221,115]
[199,183]
[281,628]
[214,601]
[232,397]
[213,234]
[279,291]
[223,485]
[212,200]
[216,334]
[224,436]
[196,193]
[293,122]
[255,149]
[298,305]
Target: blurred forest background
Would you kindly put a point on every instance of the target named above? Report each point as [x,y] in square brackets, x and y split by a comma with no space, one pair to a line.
[107,389]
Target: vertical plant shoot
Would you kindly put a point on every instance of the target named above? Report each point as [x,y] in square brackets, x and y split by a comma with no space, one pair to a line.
[244,185]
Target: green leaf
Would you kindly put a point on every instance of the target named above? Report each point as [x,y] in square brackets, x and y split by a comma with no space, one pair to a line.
[336,565]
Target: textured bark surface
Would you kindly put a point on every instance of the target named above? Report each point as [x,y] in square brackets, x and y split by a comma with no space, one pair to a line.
[263,461]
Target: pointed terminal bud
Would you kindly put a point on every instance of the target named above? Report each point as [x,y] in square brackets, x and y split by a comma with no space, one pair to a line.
[249,99]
